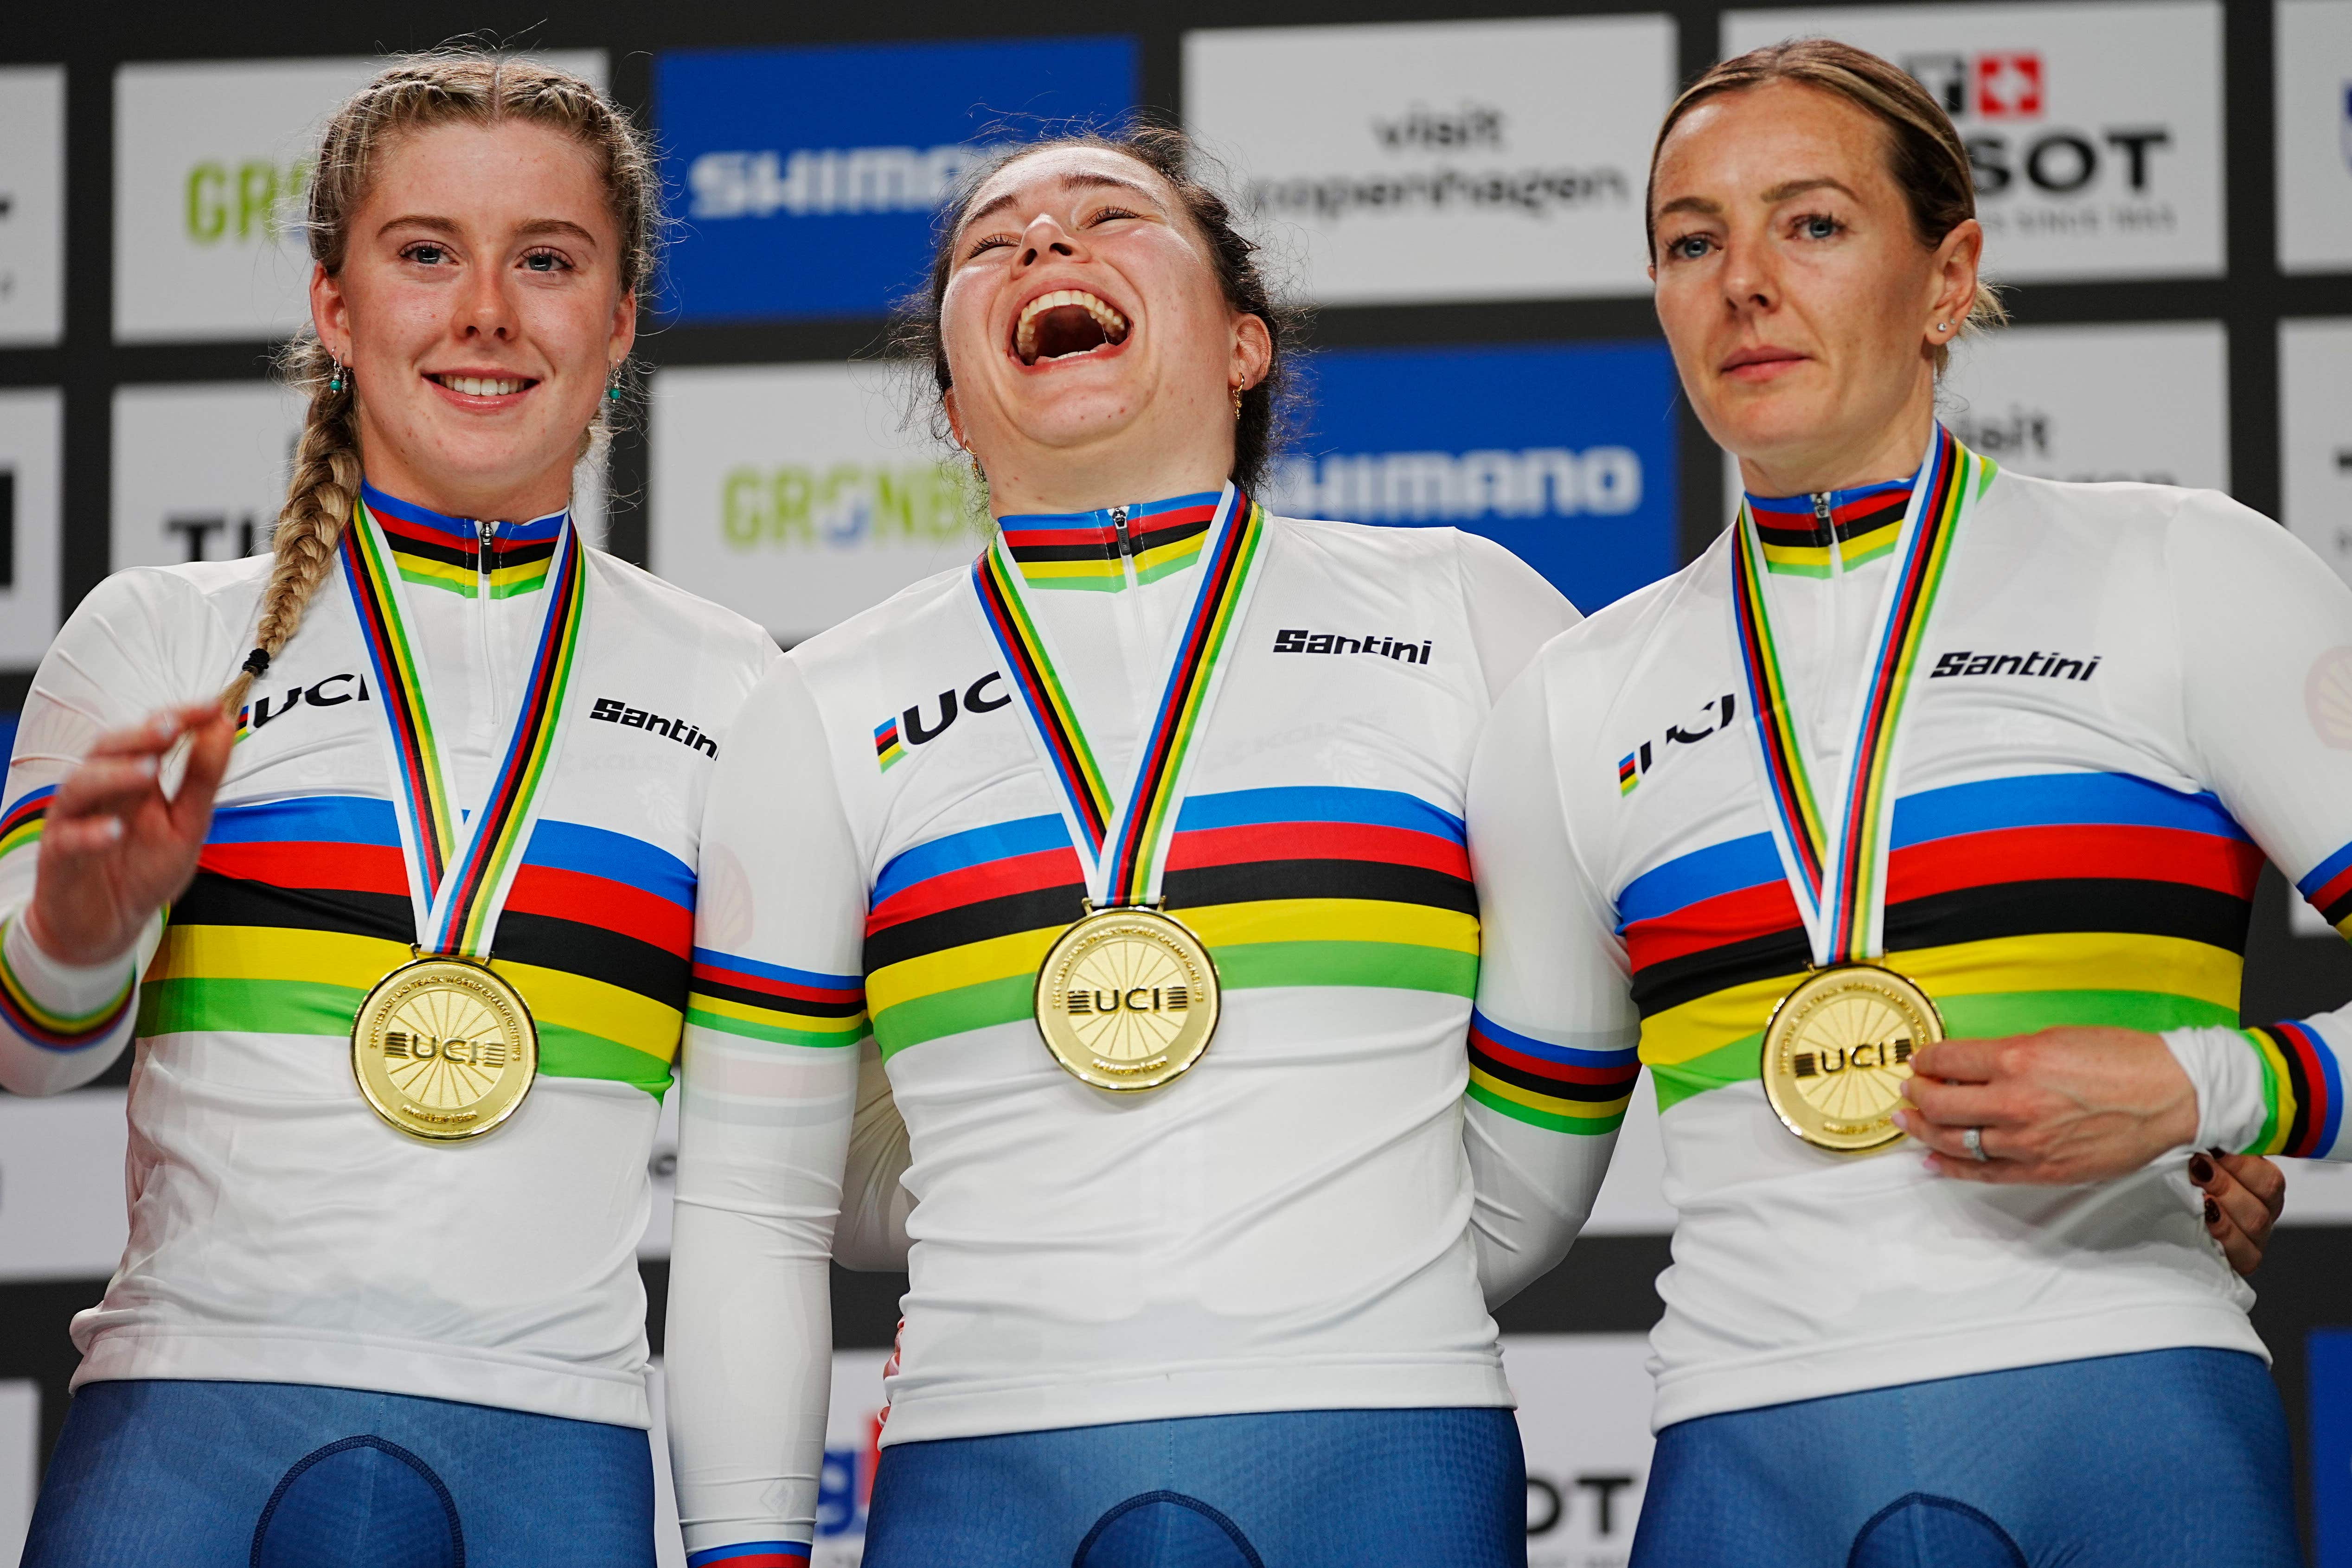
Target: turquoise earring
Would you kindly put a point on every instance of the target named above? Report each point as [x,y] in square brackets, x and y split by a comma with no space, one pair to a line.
[336,382]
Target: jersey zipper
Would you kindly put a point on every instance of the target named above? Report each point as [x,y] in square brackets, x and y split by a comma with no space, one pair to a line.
[1126,545]
[1821,513]
[483,559]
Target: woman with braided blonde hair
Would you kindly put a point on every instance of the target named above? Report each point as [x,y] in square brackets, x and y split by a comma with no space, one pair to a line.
[430,858]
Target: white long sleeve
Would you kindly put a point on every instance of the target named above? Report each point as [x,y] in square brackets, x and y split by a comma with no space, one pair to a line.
[771,1082]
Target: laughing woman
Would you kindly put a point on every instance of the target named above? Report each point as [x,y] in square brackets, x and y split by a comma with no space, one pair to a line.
[1141,842]
[402,1045]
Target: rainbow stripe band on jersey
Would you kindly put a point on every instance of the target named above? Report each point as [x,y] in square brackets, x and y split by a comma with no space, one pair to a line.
[450,554]
[768,1001]
[1837,860]
[458,876]
[1084,549]
[20,824]
[2304,1089]
[1300,885]
[53,1030]
[300,906]
[2020,904]
[1568,1089]
[2327,888]
[1861,525]
[753,1554]
[1123,843]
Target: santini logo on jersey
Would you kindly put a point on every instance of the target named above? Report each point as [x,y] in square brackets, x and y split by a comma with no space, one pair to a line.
[1304,641]
[1635,764]
[2039,666]
[611,710]
[332,692]
[893,736]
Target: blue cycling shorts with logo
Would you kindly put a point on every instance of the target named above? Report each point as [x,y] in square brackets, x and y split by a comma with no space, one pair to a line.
[279,1475]
[2170,1457]
[1308,1489]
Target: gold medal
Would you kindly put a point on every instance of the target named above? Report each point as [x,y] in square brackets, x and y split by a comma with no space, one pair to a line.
[1126,998]
[1838,1052]
[444,1049]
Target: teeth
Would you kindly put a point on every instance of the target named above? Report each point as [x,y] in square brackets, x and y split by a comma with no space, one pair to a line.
[1024,336]
[479,386]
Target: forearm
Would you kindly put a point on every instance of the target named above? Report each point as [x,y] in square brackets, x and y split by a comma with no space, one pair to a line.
[875,1202]
[1534,1190]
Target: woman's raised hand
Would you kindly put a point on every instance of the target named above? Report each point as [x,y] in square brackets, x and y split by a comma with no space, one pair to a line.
[114,847]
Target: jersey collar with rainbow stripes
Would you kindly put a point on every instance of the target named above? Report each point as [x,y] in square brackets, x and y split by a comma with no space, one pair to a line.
[460,554]
[1091,549]
[1798,531]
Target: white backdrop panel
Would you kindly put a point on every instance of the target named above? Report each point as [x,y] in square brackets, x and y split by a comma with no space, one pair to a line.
[199,470]
[1442,160]
[795,495]
[211,162]
[32,207]
[2096,129]
[2314,88]
[31,433]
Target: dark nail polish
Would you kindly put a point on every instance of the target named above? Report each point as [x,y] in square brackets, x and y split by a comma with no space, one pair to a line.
[2200,1169]
[2212,1212]
[2216,1151]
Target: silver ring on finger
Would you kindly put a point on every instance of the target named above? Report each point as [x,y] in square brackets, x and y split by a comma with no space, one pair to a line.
[1972,1140]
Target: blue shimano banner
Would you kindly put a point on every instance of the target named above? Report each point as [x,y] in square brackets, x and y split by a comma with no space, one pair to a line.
[1563,453]
[808,178]
[2329,1403]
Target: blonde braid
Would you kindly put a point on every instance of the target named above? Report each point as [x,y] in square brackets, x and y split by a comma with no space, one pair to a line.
[319,501]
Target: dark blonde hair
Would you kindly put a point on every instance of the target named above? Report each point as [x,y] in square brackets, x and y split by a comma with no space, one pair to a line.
[1924,153]
[447,87]
[1269,409]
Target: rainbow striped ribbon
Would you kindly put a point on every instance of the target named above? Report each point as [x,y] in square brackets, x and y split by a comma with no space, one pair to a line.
[458,874]
[1123,842]
[1835,859]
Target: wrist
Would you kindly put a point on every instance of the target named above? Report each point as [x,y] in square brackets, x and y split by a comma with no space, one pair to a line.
[2225,1073]
[58,1003]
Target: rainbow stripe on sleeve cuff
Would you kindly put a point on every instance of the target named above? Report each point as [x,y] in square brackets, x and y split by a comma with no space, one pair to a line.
[1561,1087]
[2303,1083]
[21,823]
[753,1554]
[768,1002]
[2328,888]
[55,1032]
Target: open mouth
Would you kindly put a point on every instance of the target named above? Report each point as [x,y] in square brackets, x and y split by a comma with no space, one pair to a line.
[483,386]
[1064,323]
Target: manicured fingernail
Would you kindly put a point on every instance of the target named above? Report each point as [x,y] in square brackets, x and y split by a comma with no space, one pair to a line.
[146,765]
[2212,1212]
[167,726]
[2200,1169]
[2216,1151]
[112,829]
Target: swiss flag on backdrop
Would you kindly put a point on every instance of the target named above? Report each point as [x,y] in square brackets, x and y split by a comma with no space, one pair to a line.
[2009,84]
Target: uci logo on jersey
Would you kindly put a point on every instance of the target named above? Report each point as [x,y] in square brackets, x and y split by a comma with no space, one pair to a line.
[332,692]
[1636,764]
[894,735]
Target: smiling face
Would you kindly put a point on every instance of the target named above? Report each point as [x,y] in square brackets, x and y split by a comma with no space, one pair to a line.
[480,311]
[1802,305]
[1092,351]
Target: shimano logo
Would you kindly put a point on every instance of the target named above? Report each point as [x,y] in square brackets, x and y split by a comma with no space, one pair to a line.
[827,182]
[1443,486]
[611,710]
[1290,641]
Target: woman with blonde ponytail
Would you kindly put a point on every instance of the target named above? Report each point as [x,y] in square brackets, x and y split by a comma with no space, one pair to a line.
[421,792]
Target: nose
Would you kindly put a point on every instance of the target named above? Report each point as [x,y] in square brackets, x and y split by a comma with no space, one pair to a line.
[1749,282]
[1046,239]
[485,310]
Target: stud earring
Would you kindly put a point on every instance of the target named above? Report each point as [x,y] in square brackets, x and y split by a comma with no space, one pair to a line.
[1943,326]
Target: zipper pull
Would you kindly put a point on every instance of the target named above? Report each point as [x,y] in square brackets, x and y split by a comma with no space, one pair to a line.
[1118,526]
[483,557]
[1821,516]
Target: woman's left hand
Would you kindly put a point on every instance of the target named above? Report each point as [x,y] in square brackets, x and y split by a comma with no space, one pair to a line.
[2244,1196]
[2056,1108]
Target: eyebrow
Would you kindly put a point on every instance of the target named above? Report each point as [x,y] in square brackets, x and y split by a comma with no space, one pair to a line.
[537,226]
[1772,197]
[1084,180]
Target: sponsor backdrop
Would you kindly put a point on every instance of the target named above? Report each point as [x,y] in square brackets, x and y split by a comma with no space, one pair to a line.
[2166,186]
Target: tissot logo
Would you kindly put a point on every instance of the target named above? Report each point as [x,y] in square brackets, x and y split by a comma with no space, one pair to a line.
[613,710]
[1635,765]
[1995,84]
[2064,161]
[332,692]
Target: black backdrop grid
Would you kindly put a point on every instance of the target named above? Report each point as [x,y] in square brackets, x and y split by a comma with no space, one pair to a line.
[1606,1286]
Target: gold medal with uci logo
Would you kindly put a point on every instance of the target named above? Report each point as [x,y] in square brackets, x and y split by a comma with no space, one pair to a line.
[1126,998]
[1837,1055]
[444,1049]
[1837,1051]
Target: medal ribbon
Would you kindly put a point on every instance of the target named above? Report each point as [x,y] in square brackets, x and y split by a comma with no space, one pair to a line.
[458,875]
[1124,842]
[1835,861]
